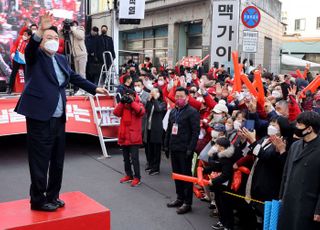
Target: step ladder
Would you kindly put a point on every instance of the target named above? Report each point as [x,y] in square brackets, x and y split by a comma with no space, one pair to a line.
[103,116]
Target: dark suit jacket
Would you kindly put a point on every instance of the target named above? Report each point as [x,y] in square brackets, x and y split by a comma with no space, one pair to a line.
[41,93]
[106,44]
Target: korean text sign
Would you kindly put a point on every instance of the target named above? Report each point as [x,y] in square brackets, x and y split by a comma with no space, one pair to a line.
[131,9]
[225,22]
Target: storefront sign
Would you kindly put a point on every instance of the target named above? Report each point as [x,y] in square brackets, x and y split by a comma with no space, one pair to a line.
[131,9]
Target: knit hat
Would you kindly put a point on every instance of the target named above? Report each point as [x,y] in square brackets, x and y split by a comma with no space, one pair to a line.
[221,107]
[224,142]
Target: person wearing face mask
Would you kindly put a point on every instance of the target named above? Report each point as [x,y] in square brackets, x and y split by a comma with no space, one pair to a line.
[131,111]
[93,65]
[220,161]
[181,140]
[220,112]
[43,103]
[78,50]
[106,44]
[300,188]
[18,57]
[156,109]
[265,177]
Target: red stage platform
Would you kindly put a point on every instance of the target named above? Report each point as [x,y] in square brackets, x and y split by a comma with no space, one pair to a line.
[80,213]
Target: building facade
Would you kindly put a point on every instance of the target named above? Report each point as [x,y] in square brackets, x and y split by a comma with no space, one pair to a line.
[301,37]
[173,29]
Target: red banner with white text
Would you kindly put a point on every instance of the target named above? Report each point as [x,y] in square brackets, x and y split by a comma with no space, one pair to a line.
[78,112]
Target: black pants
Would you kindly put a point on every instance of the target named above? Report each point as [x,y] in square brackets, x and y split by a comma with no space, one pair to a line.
[15,70]
[224,205]
[131,155]
[153,154]
[46,145]
[181,164]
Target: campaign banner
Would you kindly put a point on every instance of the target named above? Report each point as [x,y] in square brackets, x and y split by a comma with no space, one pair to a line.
[79,116]
[131,9]
[225,23]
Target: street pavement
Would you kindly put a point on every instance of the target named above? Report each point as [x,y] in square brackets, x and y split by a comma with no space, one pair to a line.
[142,207]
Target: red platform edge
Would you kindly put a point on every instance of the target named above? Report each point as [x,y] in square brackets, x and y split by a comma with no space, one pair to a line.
[81,213]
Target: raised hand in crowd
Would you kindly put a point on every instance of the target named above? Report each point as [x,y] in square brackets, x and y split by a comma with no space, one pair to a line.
[252,105]
[279,143]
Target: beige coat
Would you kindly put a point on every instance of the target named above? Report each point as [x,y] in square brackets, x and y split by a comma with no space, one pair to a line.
[77,38]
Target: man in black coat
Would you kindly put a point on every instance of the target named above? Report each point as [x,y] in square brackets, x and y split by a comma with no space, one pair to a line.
[43,103]
[93,50]
[300,190]
[106,44]
[181,139]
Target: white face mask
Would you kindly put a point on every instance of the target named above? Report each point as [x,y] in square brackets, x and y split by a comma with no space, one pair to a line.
[160,82]
[276,94]
[229,127]
[52,45]
[137,89]
[272,130]
[24,37]
[237,125]
[34,31]
[214,134]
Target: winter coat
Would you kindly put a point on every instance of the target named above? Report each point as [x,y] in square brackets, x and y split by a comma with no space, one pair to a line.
[77,38]
[266,179]
[222,162]
[130,130]
[188,130]
[156,121]
[300,189]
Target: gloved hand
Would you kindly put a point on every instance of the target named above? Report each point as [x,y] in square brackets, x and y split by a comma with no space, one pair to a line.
[123,100]
[129,100]
[189,153]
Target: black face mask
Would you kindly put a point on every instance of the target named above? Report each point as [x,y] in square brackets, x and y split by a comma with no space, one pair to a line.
[103,32]
[299,132]
[132,72]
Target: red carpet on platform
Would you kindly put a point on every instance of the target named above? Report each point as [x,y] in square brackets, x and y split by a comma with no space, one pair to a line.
[80,212]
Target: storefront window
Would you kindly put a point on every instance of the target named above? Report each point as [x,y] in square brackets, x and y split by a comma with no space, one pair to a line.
[152,42]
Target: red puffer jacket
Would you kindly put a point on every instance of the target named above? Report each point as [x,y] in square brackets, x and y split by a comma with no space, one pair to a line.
[130,131]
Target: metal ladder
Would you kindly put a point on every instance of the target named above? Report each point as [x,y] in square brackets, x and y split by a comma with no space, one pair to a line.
[109,80]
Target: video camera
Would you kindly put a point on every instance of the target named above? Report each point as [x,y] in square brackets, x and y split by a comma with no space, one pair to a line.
[67,23]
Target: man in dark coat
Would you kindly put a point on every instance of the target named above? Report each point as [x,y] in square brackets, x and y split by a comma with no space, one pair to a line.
[93,65]
[43,103]
[181,140]
[106,44]
[300,190]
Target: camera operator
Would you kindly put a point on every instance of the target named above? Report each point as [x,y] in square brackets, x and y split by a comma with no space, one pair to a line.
[74,36]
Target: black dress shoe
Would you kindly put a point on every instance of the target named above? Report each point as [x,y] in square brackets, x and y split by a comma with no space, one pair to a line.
[47,207]
[185,208]
[58,202]
[175,204]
